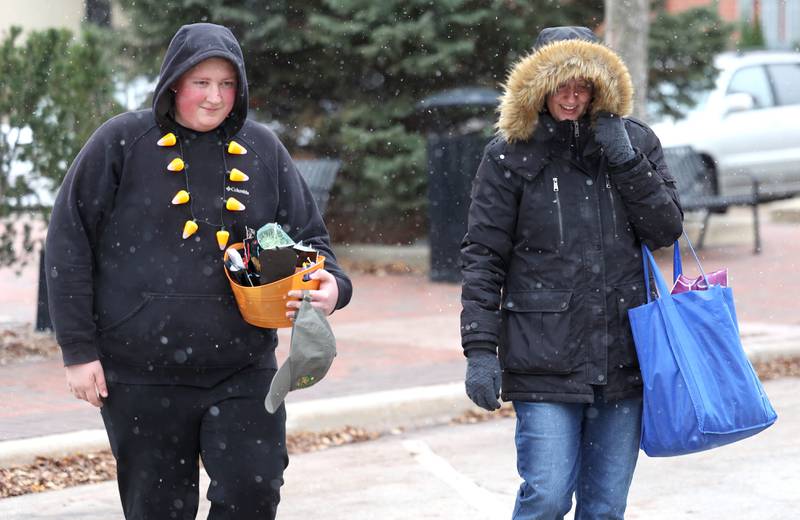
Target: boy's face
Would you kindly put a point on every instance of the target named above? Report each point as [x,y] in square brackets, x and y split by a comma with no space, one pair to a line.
[570,100]
[204,96]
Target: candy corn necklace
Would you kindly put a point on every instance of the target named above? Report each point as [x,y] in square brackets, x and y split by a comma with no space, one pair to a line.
[177,165]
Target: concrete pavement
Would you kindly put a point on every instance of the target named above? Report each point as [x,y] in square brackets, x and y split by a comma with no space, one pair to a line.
[467,472]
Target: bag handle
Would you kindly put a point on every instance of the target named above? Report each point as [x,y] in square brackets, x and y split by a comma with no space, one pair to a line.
[677,267]
[650,262]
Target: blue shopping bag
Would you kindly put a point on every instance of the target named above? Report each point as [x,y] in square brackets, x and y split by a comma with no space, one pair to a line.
[700,390]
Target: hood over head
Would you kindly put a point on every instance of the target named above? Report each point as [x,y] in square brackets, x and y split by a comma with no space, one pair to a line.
[561,54]
[191,45]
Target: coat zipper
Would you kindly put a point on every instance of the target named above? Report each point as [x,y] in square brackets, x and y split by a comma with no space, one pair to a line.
[558,209]
[576,134]
[613,206]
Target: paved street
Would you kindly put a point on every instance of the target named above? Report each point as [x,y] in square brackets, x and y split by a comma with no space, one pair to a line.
[467,472]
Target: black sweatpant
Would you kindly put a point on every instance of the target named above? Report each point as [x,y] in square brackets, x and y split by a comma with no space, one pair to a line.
[157,433]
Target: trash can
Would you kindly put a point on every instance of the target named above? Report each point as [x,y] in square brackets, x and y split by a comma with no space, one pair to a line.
[459,124]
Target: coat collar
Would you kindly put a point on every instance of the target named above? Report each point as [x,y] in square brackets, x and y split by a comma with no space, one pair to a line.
[527,158]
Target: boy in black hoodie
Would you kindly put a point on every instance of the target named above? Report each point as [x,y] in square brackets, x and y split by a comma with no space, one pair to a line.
[146,321]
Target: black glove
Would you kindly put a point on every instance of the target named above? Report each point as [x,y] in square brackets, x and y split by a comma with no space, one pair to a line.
[483,378]
[610,133]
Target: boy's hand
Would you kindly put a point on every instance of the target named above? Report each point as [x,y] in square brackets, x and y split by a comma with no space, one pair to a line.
[324,298]
[87,382]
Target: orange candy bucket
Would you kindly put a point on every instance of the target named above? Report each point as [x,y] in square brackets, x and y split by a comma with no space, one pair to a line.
[265,305]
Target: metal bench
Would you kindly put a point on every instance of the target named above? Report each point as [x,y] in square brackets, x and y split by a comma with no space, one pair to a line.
[697,192]
[319,174]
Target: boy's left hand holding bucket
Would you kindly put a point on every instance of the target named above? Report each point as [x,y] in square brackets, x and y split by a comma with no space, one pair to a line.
[324,298]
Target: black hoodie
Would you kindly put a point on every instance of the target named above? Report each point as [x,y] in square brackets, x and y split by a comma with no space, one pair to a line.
[124,286]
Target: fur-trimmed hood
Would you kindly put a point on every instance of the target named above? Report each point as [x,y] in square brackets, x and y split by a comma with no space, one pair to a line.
[562,54]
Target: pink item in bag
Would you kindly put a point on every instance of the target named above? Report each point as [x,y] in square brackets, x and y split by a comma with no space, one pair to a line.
[684,283]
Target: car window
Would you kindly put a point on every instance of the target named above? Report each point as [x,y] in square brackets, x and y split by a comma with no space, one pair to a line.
[753,81]
[786,78]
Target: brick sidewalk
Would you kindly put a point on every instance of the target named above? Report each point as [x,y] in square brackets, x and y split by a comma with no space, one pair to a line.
[767,285]
[18,294]
[399,331]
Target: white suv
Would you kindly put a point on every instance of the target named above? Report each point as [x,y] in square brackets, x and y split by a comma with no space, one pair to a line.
[748,126]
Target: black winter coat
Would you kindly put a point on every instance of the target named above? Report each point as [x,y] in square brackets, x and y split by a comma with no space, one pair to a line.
[552,256]
[552,260]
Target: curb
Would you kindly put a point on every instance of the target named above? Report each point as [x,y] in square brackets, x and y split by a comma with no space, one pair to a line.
[25,451]
[785,212]
[415,255]
[381,411]
[378,411]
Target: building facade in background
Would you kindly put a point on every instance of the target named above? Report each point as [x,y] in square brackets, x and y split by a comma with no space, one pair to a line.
[779,19]
[34,15]
[783,19]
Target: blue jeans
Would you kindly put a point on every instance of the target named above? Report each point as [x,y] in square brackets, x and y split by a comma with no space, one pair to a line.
[586,449]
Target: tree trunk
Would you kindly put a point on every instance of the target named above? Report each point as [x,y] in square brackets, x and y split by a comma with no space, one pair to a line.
[627,30]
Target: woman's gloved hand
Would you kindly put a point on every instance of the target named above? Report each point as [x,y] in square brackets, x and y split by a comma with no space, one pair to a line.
[483,378]
[610,133]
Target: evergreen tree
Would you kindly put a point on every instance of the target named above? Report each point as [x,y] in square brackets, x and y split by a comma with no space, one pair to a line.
[342,77]
[682,50]
[333,77]
[56,90]
[750,35]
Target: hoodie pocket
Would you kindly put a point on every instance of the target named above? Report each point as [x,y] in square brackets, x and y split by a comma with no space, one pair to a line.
[184,329]
[537,333]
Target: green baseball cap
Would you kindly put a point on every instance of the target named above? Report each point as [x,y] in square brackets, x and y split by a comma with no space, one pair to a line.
[311,353]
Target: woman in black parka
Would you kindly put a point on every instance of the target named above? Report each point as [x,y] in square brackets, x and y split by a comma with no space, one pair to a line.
[561,203]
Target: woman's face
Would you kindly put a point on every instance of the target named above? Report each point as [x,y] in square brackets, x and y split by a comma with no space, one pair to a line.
[204,96]
[570,100]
